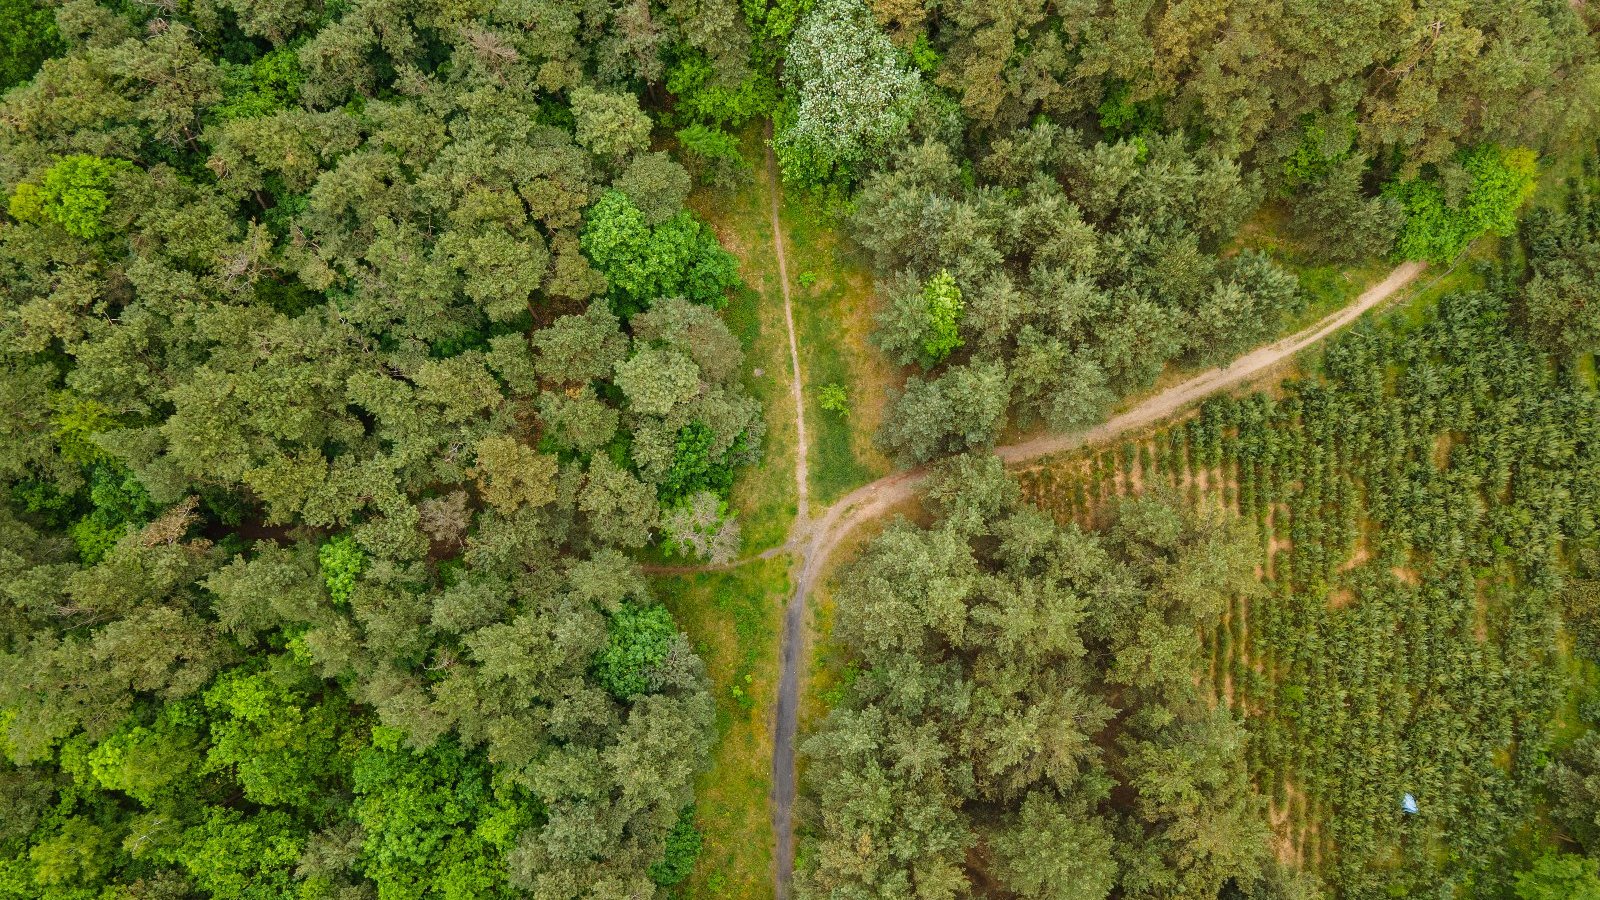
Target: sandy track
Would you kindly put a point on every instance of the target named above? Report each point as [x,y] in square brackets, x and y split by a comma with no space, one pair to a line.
[817,539]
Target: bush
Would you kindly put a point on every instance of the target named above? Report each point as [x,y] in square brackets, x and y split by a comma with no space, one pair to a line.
[712,155]
[1319,151]
[115,491]
[683,848]
[701,526]
[43,499]
[1121,116]
[341,561]
[834,399]
[693,468]
[640,637]
[1437,229]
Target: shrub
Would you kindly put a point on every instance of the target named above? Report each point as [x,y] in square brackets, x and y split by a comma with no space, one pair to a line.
[119,501]
[1121,116]
[693,468]
[683,848]
[38,497]
[1319,151]
[1437,230]
[639,638]
[712,155]
[341,561]
[833,398]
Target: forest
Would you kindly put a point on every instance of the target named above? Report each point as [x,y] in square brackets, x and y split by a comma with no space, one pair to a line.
[1372,572]
[369,370]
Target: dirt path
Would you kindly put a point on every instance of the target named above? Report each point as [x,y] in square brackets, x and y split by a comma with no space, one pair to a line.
[816,540]
[787,714]
[1164,404]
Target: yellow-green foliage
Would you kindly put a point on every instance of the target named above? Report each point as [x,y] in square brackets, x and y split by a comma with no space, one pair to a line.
[75,193]
[944,316]
[1438,227]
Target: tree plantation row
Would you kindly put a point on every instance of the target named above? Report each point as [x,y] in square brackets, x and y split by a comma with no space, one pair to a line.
[357,357]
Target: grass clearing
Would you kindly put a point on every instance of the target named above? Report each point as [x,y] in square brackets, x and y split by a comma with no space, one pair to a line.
[733,619]
[834,308]
[764,494]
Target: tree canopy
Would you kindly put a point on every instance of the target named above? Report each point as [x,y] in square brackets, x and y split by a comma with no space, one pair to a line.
[1025,715]
[345,347]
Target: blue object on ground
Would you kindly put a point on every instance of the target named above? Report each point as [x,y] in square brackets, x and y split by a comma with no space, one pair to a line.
[1409,804]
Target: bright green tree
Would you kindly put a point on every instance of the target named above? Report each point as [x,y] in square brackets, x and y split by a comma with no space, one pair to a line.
[943,297]
[1438,227]
[75,193]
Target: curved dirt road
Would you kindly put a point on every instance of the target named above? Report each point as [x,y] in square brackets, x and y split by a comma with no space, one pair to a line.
[816,539]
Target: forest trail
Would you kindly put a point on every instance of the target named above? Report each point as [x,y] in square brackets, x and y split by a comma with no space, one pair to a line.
[787,717]
[816,539]
[1164,404]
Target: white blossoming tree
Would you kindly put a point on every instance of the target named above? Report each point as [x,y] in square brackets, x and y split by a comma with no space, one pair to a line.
[849,93]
